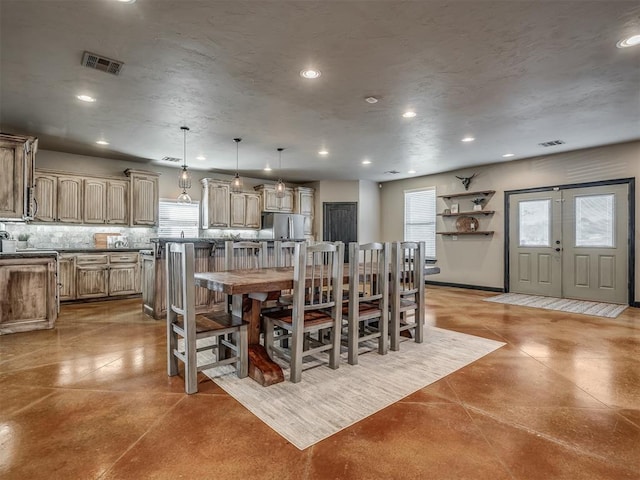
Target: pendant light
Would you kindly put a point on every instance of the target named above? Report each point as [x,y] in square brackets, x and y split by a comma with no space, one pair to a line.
[236,184]
[280,186]
[184,180]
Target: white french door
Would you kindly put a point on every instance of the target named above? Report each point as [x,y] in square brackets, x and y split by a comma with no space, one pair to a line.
[570,243]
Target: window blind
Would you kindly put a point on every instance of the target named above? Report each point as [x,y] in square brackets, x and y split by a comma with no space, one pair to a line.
[176,218]
[420,218]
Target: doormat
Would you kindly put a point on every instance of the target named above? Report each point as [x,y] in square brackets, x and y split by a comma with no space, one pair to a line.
[327,401]
[597,309]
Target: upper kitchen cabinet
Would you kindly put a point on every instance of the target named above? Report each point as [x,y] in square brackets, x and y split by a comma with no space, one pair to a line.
[144,202]
[58,198]
[105,201]
[17,160]
[215,205]
[304,205]
[271,203]
[245,210]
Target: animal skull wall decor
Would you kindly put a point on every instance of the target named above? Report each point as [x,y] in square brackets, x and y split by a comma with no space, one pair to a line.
[466,181]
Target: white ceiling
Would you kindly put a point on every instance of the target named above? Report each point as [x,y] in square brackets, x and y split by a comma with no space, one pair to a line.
[511,74]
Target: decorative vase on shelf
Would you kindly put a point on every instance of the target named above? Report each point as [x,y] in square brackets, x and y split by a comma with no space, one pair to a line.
[477,207]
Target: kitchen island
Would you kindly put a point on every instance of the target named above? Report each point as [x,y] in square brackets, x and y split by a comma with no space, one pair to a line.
[28,291]
[209,257]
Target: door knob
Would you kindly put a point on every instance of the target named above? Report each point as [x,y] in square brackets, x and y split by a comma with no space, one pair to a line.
[557,242]
[558,249]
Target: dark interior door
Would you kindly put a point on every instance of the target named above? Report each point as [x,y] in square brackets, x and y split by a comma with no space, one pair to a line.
[340,223]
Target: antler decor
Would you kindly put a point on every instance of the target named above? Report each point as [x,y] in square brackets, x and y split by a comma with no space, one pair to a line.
[466,181]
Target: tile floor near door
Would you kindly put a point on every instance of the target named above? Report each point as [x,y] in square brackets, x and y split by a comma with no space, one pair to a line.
[91,400]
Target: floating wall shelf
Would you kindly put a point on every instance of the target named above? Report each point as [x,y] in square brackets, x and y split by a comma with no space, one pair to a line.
[473,212]
[477,232]
[468,194]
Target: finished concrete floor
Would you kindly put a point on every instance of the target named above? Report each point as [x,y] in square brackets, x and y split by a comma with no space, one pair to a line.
[90,399]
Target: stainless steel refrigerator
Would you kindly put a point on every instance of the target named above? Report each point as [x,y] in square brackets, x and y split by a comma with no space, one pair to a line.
[282,226]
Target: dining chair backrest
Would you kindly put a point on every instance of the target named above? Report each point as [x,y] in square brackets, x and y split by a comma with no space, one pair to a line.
[180,292]
[284,253]
[407,267]
[245,255]
[369,272]
[317,277]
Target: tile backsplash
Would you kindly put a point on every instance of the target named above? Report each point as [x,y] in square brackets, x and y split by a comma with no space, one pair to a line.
[81,236]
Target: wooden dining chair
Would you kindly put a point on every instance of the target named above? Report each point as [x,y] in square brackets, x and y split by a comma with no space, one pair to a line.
[367,309]
[183,323]
[317,306]
[407,291]
[245,255]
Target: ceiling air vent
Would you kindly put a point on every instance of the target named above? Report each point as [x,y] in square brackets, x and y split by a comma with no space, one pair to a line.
[171,159]
[392,172]
[104,64]
[552,143]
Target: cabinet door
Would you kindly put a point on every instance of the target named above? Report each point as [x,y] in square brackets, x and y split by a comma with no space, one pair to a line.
[252,210]
[12,187]
[306,203]
[92,281]
[270,203]
[69,199]
[238,209]
[286,202]
[308,225]
[66,277]
[46,196]
[117,202]
[219,208]
[144,201]
[94,200]
[123,279]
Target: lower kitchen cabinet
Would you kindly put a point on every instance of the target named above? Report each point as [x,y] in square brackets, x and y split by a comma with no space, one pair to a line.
[98,275]
[28,298]
[92,281]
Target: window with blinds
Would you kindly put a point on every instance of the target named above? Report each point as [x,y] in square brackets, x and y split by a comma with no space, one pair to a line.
[420,218]
[176,218]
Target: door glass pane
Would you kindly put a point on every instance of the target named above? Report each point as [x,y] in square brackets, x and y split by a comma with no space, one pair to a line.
[535,223]
[594,220]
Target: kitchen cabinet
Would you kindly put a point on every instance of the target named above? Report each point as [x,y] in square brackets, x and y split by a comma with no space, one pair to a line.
[271,203]
[124,274]
[216,203]
[17,161]
[92,276]
[245,210]
[66,277]
[58,198]
[305,205]
[105,201]
[144,202]
[29,292]
[46,190]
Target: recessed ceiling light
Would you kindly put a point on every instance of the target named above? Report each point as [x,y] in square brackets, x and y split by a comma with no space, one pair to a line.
[366,162]
[310,73]
[102,142]
[201,157]
[629,42]
[371,100]
[126,1]
[412,172]
[323,152]
[267,168]
[507,155]
[468,139]
[409,114]
[86,98]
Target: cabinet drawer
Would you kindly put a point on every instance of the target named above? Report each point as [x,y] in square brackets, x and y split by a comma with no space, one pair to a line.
[92,259]
[131,257]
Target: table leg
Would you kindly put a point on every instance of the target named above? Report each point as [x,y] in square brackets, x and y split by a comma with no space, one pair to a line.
[261,368]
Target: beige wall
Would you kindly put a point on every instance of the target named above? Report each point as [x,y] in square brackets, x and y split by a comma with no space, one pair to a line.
[479,260]
[368,212]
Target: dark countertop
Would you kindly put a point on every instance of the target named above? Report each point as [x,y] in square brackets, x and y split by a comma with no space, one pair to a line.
[214,240]
[28,254]
[86,250]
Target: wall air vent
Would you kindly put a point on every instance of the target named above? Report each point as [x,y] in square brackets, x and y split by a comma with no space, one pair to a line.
[392,172]
[171,159]
[104,64]
[552,143]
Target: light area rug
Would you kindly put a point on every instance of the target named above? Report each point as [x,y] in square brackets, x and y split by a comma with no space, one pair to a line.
[598,309]
[327,401]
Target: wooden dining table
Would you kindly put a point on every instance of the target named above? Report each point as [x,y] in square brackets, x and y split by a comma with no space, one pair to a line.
[243,285]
